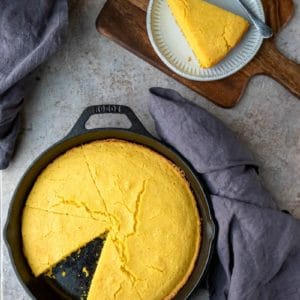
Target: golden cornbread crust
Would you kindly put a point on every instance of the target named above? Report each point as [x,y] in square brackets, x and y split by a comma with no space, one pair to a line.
[131,194]
[211,31]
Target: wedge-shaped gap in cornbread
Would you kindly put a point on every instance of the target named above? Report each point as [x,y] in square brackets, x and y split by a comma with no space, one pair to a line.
[74,274]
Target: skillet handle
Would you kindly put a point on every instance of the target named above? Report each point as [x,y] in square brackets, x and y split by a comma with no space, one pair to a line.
[79,127]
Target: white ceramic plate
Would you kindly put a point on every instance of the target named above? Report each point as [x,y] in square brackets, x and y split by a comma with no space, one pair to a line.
[171,46]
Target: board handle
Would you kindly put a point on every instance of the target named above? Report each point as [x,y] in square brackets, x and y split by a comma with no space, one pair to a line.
[80,128]
[273,63]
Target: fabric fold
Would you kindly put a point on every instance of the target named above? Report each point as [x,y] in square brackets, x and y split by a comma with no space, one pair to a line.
[30,31]
[196,127]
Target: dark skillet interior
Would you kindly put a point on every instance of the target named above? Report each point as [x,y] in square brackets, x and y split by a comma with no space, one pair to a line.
[42,288]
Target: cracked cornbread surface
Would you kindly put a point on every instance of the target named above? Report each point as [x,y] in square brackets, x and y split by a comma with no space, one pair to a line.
[210,30]
[135,197]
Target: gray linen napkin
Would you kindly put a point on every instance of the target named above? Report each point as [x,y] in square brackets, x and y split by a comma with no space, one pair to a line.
[30,31]
[258,246]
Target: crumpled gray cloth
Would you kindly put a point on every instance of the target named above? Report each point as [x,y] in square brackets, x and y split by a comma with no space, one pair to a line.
[30,31]
[258,247]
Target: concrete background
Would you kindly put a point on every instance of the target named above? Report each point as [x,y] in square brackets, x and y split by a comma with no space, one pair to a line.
[90,69]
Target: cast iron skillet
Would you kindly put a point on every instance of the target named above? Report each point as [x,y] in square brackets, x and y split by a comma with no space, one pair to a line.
[39,287]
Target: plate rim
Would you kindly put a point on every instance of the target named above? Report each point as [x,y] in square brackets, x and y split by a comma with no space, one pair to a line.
[186,75]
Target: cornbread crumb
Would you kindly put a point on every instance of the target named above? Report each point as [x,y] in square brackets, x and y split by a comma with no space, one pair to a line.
[85,271]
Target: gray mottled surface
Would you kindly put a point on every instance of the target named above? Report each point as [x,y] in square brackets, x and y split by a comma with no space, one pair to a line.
[92,70]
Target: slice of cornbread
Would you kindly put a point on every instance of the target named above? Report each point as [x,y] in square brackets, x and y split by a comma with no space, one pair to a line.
[73,194]
[210,30]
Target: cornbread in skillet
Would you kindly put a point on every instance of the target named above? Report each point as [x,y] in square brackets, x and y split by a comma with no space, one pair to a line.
[210,30]
[132,195]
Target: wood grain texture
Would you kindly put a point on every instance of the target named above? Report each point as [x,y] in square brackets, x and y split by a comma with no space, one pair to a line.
[124,21]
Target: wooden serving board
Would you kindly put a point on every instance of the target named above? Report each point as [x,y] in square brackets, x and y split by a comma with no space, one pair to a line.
[124,21]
